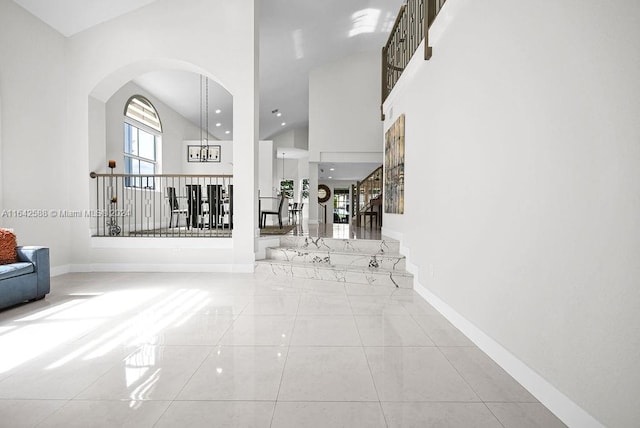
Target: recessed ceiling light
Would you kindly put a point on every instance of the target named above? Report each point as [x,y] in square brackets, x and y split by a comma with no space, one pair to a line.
[227,132]
[332,169]
[218,124]
[278,114]
[284,123]
[218,111]
[330,178]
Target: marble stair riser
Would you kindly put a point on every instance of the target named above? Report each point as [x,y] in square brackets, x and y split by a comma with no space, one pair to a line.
[330,258]
[336,273]
[364,246]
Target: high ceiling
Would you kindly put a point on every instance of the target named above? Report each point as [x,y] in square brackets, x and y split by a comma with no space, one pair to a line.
[295,37]
[298,36]
[73,16]
[181,90]
[345,171]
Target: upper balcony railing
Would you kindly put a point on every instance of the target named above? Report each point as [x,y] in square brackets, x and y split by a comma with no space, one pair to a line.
[162,205]
[411,26]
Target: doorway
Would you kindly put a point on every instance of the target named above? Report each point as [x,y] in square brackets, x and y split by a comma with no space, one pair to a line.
[341,205]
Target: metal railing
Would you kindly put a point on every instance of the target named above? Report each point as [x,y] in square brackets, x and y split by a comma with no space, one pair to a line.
[162,205]
[324,212]
[369,197]
[411,26]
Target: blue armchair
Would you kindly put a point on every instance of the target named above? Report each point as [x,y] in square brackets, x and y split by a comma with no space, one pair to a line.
[26,280]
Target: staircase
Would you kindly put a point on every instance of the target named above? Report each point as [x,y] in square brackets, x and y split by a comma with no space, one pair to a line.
[373,262]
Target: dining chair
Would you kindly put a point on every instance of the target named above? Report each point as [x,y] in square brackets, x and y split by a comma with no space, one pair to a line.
[214,197]
[264,214]
[292,210]
[296,212]
[174,207]
[196,211]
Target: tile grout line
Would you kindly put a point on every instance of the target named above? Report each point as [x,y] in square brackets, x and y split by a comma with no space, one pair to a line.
[468,384]
[366,358]
[175,398]
[494,415]
[44,418]
[284,365]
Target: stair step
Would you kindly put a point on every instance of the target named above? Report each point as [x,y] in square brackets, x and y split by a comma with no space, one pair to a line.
[340,273]
[389,262]
[367,246]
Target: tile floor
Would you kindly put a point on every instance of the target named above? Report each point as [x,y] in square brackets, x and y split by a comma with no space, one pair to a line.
[245,350]
[338,231]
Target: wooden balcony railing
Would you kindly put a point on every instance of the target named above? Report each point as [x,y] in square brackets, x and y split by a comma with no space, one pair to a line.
[411,27]
[162,205]
[369,199]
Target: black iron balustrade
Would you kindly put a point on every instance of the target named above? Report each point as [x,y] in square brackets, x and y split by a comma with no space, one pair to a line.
[162,205]
[410,28]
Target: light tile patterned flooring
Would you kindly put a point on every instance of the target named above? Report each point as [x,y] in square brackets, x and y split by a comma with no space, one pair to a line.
[245,350]
[338,231]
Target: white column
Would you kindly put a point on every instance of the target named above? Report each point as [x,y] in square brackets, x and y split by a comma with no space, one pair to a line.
[313,192]
[245,156]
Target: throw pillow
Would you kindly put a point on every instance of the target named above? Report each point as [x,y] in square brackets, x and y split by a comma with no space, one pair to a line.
[7,247]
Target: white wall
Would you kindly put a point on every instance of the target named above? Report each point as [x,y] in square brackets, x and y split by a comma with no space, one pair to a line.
[285,139]
[267,156]
[344,107]
[35,145]
[54,91]
[295,138]
[166,35]
[297,167]
[224,167]
[175,130]
[344,116]
[290,172]
[522,183]
[301,138]
[313,206]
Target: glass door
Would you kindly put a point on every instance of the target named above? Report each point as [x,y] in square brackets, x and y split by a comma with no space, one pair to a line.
[341,205]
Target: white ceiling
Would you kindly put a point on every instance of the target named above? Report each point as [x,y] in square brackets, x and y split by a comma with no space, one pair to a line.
[181,90]
[295,37]
[72,16]
[345,171]
[298,36]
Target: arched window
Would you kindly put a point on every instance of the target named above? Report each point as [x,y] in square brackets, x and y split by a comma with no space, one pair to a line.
[142,132]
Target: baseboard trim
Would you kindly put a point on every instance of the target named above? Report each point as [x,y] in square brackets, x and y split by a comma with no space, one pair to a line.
[558,403]
[180,267]
[155,243]
[60,270]
[410,267]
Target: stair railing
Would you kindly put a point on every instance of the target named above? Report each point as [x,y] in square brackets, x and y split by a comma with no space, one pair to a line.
[410,28]
[368,193]
[324,212]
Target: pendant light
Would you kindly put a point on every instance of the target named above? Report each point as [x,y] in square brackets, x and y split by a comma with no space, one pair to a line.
[204,118]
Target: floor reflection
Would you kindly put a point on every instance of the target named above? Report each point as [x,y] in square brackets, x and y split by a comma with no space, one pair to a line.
[127,349]
[335,230]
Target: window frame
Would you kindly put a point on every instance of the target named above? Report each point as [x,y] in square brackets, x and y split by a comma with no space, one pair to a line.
[138,126]
[150,106]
